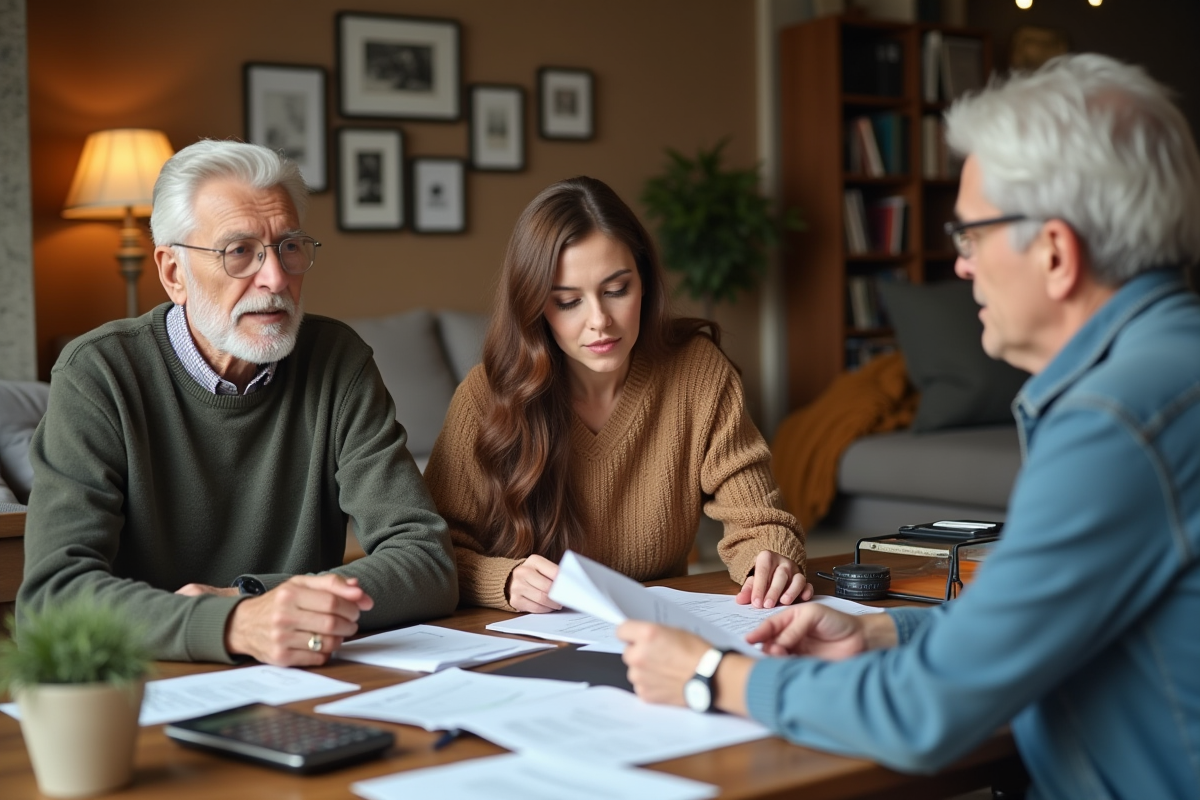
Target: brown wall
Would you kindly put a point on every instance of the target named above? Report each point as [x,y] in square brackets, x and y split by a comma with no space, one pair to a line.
[676,73]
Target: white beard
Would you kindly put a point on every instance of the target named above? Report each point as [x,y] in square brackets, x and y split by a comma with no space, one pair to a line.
[273,343]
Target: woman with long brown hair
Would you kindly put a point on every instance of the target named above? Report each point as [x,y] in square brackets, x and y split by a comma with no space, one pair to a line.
[599,423]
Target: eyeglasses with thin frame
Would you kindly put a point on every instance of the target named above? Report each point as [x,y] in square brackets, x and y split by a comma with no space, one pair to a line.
[965,244]
[245,257]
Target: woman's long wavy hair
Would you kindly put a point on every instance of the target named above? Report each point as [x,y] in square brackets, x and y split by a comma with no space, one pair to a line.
[524,445]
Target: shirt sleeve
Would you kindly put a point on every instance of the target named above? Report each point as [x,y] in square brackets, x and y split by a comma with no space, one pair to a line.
[1085,553]
[409,567]
[736,475]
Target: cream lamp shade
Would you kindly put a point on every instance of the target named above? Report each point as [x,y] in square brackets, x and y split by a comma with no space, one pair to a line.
[117,172]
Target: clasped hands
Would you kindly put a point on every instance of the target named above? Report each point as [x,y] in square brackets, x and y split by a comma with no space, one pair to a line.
[300,622]
[774,580]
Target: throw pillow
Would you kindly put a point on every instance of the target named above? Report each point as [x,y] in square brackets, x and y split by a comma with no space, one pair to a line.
[462,334]
[938,330]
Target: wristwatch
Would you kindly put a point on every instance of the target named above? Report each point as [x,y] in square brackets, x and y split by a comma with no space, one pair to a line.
[248,584]
[698,691]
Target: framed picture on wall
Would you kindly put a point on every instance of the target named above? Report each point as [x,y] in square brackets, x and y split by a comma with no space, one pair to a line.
[370,186]
[285,111]
[497,127]
[400,67]
[566,103]
[439,195]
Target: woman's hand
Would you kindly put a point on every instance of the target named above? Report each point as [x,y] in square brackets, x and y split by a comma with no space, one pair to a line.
[774,580]
[529,586]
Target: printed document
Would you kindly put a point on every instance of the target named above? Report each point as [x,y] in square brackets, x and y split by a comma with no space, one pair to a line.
[429,648]
[445,700]
[172,699]
[532,777]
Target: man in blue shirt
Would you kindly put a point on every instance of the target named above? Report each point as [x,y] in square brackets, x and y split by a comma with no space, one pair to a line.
[1078,208]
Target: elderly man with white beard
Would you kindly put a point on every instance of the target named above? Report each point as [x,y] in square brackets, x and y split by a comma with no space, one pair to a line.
[197,465]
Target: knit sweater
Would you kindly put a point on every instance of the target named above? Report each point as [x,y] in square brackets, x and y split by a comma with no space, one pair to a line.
[144,482]
[678,442]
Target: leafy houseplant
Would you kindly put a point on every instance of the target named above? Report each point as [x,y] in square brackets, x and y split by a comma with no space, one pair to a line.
[715,227]
[77,672]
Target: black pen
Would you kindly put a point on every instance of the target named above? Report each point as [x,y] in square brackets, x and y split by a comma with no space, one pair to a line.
[446,738]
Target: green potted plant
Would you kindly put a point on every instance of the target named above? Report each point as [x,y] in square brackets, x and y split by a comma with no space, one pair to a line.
[77,671]
[714,225]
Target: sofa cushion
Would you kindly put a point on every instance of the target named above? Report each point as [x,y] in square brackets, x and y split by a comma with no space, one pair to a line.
[414,369]
[967,466]
[938,329]
[22,405]
[462,335]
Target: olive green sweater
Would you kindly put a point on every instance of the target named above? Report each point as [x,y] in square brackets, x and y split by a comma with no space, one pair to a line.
[144,482]
[678,442]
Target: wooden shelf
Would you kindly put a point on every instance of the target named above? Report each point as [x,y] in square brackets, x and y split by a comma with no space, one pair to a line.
[877,258]
[877,180]
[873,100]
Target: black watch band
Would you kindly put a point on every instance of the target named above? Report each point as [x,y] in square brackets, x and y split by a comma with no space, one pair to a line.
[248,584]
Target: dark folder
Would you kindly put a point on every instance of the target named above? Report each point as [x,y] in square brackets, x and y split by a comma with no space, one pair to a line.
[569,664]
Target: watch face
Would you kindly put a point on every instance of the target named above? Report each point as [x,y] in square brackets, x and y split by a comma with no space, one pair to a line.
[697,695]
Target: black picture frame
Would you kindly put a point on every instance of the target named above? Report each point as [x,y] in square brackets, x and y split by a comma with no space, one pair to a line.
[439,195]
[399,67]
[370,186]
[497,127]
[566,103]
[285,111]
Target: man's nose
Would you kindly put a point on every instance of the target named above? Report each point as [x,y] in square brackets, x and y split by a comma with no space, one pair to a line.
[271,275]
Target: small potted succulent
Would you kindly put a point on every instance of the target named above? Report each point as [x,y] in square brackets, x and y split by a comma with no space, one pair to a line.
[77,671]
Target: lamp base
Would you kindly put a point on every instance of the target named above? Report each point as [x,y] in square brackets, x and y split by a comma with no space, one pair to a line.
[130,256]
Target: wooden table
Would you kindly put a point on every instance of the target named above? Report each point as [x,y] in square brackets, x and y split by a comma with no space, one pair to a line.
[770,768]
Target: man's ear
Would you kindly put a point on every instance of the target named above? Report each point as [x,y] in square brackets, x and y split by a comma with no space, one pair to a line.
[1064,259]
[171,274]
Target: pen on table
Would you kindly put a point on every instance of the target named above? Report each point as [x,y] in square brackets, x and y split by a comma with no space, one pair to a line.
[446,738]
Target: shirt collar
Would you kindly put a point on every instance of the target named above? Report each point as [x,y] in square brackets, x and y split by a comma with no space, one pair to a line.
[1090,343]
[189,355]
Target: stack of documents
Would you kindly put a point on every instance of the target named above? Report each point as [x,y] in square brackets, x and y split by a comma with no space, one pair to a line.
[428,648]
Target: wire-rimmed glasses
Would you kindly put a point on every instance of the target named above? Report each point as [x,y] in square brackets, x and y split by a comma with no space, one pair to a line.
[245,257]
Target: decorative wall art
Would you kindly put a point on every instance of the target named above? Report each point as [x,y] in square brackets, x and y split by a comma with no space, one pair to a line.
[566,103]
[285,111]
[439,195]
[370,195]
[497,127]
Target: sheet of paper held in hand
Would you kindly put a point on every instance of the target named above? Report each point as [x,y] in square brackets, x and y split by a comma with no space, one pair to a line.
[448,699]
[532,777]
[599,631]
[429,648]
[172,699]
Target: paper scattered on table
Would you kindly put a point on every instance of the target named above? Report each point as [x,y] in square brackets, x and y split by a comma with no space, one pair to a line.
[584,585]
[172,699]
[561,626]
[846,606]
[611,726]
[429,648]
[445,700]
[532,777]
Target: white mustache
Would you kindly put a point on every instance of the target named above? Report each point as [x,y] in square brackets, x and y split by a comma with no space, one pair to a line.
[263,302]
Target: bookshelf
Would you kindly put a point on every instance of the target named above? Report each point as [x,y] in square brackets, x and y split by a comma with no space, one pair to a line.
[834,72]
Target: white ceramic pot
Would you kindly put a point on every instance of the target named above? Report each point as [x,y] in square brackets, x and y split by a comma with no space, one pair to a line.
[80,736]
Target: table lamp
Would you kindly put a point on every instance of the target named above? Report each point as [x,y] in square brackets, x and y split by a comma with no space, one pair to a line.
[115,180]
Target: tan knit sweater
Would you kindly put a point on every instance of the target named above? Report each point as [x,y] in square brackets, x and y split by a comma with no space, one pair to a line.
[678,442]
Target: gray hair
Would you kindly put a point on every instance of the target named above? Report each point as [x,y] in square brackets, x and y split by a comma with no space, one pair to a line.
[1098,144]
[173,218]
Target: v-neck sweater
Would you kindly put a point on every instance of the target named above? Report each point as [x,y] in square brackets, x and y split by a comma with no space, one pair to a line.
[679,443]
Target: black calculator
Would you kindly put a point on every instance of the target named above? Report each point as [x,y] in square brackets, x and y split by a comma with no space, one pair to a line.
[282,739]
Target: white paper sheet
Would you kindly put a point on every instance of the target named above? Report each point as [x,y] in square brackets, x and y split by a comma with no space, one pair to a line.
[584,585]
[532,777]
[429,648]
[611,726]
[445,700]
[561,626]
[172,699]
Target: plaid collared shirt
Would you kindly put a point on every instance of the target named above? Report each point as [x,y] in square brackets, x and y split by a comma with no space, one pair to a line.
[185,347]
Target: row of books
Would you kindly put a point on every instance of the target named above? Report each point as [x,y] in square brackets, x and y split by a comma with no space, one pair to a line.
[937,159]
[872,66]
[875,228]
[950,66]
[877,145]
[863,307]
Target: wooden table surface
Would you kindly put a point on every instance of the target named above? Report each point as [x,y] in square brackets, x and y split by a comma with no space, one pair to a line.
[770,768]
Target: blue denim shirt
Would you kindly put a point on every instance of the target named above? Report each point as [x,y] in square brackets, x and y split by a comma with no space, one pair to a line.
[1083,627]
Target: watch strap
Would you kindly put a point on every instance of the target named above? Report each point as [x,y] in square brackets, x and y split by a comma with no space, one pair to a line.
[709,662]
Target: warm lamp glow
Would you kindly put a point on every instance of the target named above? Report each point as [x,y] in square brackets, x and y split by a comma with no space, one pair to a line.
[1022,4]
[117,171]
[1095,3]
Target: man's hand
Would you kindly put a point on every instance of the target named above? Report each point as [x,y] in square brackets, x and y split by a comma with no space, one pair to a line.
[661,660]
[197,589]
[276,627]
[529,586]
[775,579]
[815,630]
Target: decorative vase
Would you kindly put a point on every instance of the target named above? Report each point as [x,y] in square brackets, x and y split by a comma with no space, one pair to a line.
[80,736]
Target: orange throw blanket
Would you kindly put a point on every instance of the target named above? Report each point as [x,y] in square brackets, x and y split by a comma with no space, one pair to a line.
[810,442]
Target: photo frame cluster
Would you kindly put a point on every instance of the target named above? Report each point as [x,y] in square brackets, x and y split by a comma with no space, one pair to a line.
[392,67]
